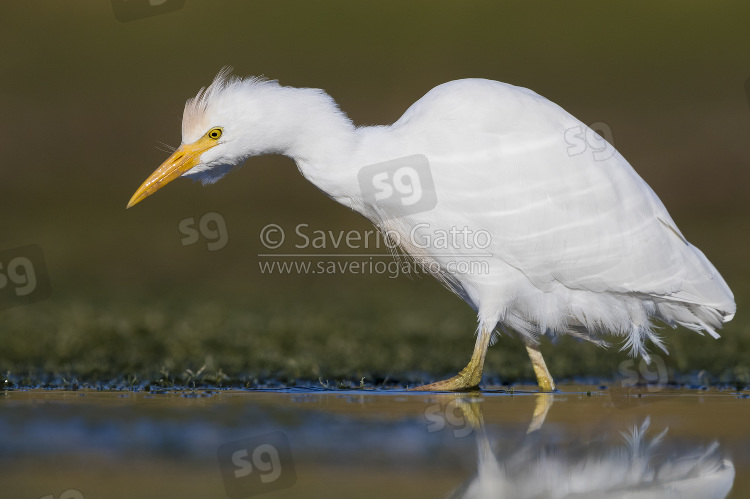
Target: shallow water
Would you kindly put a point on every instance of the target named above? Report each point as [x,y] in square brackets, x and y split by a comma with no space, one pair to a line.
[581,441]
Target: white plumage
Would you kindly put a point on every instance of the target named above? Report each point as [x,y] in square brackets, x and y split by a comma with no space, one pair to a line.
[578,242]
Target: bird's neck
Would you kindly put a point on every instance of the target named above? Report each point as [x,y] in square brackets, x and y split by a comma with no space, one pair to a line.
[319,137]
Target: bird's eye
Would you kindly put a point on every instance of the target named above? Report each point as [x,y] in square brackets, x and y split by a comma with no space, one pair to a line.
[215,133]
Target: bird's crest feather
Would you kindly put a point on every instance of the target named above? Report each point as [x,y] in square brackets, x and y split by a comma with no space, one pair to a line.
[194,118]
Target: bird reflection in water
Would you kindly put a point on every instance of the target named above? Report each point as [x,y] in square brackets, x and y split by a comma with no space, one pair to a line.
[629,465]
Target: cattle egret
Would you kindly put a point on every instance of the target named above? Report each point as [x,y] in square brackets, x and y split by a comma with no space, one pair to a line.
[540,225]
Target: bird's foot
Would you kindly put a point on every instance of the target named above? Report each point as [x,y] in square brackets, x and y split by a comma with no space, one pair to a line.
[543,377]
[470,376]
[546,384]
[466,380]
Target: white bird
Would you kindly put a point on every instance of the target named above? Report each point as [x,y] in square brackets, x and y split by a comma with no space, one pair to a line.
[495,191]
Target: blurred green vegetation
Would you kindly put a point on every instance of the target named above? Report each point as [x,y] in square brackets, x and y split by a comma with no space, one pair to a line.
[217,343]
[86,99]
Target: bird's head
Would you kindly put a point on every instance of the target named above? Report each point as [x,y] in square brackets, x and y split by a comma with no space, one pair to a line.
[217,136]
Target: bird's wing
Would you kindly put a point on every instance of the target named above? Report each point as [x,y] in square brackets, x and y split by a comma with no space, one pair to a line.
[561,204]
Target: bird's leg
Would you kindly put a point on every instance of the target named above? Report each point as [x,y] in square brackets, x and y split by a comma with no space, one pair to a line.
[543,377]
[470,376]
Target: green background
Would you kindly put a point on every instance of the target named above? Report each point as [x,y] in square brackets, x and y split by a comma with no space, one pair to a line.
[85,101]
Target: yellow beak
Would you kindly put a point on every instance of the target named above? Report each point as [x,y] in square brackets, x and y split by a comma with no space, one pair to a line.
[182,160]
